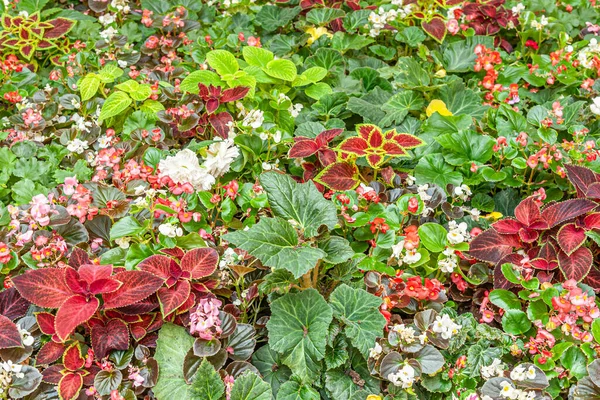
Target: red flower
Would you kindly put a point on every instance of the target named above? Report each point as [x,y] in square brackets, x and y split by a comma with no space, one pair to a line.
[532,44]
[378,224]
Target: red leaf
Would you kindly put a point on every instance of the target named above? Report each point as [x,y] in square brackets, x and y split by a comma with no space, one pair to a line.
[92,272]
[69,386]
[365,130]
[339,176]
[303,148]
[144,306]
[44,287]
[407,141]
[528,235]
[78,258]
[436,28]
[543,264]
[74,283]
[566,210]
[492,247]
[577,265]
[376,138]
[592,221]
[528,211]
[354,145]
[50,352]
[570,238]
[73,359]
[374,160]
[60,26]
[158,265]
[12,304]
[174,252]
[507,226]
[74,312]
[326,156]
[174,297]
[52,374]
[200,262]
[234,94]
[547,252]
[581,178]
[593,278]
[393,149]
[212,105]
[327,136]
[137,285]
[45,321]
[112,336]
[9,334]
[219,123]
[104,286]
[593,191]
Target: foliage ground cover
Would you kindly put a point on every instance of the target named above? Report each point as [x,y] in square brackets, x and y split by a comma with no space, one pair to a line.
[299,199]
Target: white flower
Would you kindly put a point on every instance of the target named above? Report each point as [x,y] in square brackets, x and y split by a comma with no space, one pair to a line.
[404,377]
[397,249]
[122,63]
[422,192]
[229,257]
[447,265]
[518,8]
[220,156]
[595,106]
[463,192]
[410,180]
[507,390]
[77,146]
[518,374]
[295,110]
[277,136]
[104,142]
[494,369]
[475,213]
[107,19]
[254,119]
[445,326]
[183,168]
[375,351]
[458,232]
[412,256]
[170,230]
[123,242]
[26,337]
[530,372]
[405,333]
[108,33]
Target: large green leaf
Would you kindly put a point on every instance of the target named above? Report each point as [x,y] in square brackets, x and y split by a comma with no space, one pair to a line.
[399,105]
[301,202]
[281,69]
[270,366]
[466,147]
[274,241]
[249,386]
[222,61]
[479,356]
[257,56]
[207,78]
[461,100]
[115,104]
[359,311]
[298,330]
[293,390]
[207,384]
[433,169]
[171,347]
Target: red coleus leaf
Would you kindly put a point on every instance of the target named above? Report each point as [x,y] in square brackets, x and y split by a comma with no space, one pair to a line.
[365,130]
[44,287]
[326,156]
[581,178]
[577,265]
[339,176]
[593,278]
[354,145]
[50,352]
[570,238]
[171,298]
[234,94]
[45,321]
[174,252]
[9,334]
[492,247]
[158,265]
[104,286]
[112,336]
[593,191]
[137,285]
[53,374]
[507,226]
[327,136]
[436,28]
[78,258]
[592,221]
[69,386]
[73,359]
[60,27]
[547,252]
[12,304]
[220,123]
[566,210]
[92,272]
[200,263]
[74,312]
[528,211]
[404,139]
[303,147]
[212,105]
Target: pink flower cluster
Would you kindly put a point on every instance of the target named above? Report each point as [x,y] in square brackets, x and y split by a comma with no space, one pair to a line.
[205,320]
[572,305]
[40,210]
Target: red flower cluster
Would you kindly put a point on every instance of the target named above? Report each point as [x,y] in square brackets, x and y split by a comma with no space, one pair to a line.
[422,288]
[486,60]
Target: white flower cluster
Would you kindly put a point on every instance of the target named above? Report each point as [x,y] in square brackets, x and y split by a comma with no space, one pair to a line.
[595,106]
[404,377]
[518,9]
[462,192]
[495,369]
[410,257]
[520,374]
[510,392]
[445,326]
[538,26]
[449,263]
[170,230]
[121,5]
[220,157]
[408,335]
[229,257]
[108,33]
[458,232]
[77,146]
[380,18]
[254,119]
[586,55]
[184,167]
[7,370]
[375,351]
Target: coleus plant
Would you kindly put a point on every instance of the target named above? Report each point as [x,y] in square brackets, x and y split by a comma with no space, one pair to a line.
[543,239]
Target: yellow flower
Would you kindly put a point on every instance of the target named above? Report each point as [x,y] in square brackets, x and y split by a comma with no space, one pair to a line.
[316,33]
[493,216]
[437,106]
[373,397]
[441,73]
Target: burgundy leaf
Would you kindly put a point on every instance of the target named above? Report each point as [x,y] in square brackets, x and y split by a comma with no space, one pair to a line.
[9,334]
[137,285]
[593,278]
[73,359]
[212,105]
[303,148]
[326,156]
[354,145]
[507,226]
[74,312]
[60,26]
[492,247]
[112,336]
[158,265]
[577,265]
[566,210]
[593,191]
[220,122]
[44,287]
[581,178]
[528,211]
[339,176]
[12,304]
[570,238]
[45,321]
[234,94]
[104,286]
[327,136]
[78,258]
[436,28]
[92,272]
[50,352]
[69,386]
[200,262]
[174,297]
[592,221]
[52,374]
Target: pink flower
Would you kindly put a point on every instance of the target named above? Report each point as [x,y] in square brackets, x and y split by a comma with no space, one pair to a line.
[452,26]
[205,320]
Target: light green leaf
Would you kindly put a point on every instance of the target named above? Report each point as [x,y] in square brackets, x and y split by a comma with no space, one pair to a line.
[207,384]
[311,75]
[249,386]
[144,91]
[190,83]
[359,311]
[298,330]
[223,62]
[171,348]
[257,56]
[151,107]
[466,147]
[433,169]
[433,236]
[115,104]
[515,322]
[275,242]
[301,202]
[89,86]
[282,69]
[128,226]
[293,390]
[318,90]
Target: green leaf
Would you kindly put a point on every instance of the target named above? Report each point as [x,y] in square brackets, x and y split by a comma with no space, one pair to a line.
[479,356]
[128,226]
[89,86]
[115,104]
[433,236]
[311,75]
[257,56]
[359,311]
[207,384]
[151,107]
[190,83]
[318,90]
[515,322]
[505,299]
[249,386]
[281,69]
[466,147]
[110,72]
[321,16]
[298,330]
[399,105]
[25,189]
[482,202]
[269,364]
[301,202]
[461,100]
[337,248]
[575,361]
[433,169]
[275,242]
[223,62]
[293,390]
[271,17]
[171,348]
[596,330]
